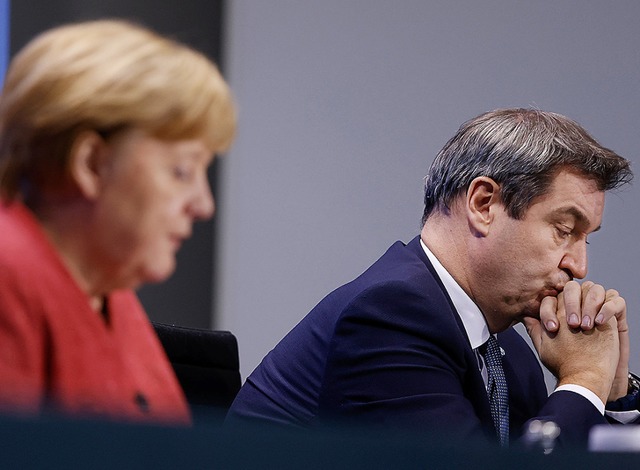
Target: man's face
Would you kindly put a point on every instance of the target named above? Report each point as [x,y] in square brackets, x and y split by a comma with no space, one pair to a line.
[528,259]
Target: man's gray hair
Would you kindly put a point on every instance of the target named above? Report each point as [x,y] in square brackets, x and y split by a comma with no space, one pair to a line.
[520,149]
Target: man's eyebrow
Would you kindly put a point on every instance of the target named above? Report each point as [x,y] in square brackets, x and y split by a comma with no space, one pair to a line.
[577,214]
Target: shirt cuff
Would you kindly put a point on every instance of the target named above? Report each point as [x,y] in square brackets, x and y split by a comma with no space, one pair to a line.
[624,417]
[624,410]
[585,392]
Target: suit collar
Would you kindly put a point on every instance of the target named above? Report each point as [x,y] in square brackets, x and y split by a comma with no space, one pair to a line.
[415,246]
[480,333]
[474,323]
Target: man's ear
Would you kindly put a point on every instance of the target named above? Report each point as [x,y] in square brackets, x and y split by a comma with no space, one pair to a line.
[85,159]
[483,196]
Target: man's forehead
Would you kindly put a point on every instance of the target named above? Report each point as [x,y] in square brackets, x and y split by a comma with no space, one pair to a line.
[572,194]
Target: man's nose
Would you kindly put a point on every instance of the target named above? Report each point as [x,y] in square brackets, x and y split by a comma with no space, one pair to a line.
[575,260]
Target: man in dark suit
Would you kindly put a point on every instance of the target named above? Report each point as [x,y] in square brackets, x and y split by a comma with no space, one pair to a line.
[509,203]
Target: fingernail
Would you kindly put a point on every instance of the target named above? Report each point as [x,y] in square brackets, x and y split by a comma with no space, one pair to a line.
[551,326]
[599,318]
[573,319]
[586,322]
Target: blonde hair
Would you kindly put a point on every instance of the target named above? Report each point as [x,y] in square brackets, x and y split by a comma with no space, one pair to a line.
[103,75]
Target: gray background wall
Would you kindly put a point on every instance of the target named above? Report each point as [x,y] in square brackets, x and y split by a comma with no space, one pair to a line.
[344,103]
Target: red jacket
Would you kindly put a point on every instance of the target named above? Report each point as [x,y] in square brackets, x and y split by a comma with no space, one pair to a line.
[57,353]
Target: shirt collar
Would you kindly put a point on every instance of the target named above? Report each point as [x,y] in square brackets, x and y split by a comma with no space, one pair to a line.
[471,316]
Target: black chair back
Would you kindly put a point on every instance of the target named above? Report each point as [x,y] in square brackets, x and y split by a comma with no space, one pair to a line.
[206,363]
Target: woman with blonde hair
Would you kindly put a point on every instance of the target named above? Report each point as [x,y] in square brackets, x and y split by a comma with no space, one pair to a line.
[106,133]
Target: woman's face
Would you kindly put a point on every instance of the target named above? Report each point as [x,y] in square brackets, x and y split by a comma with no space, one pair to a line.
[150,193]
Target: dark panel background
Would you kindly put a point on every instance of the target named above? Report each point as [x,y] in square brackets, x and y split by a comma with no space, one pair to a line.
[4,36]
[187,297]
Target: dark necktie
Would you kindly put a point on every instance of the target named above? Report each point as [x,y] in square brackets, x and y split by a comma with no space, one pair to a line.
[497,388]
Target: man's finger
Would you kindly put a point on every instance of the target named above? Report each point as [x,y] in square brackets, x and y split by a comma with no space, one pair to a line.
[548,316]
[572,294]
[593,297]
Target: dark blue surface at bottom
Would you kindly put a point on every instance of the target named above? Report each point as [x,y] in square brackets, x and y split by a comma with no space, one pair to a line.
[52,442]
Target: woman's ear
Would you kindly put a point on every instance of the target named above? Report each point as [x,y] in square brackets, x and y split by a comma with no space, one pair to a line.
[483,197]
[85,159]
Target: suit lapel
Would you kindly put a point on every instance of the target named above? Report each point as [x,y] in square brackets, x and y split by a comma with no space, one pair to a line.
[473,385]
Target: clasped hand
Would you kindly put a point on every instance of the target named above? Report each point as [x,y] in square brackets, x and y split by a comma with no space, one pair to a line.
[582,337]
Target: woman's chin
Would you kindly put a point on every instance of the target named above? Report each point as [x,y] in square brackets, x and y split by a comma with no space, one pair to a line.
[158,274]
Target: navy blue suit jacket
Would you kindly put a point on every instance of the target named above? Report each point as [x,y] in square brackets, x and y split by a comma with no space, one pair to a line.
[389,348]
